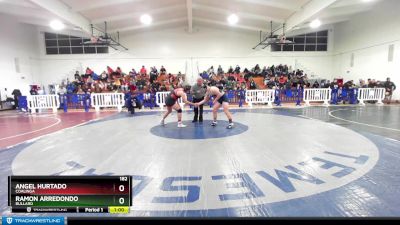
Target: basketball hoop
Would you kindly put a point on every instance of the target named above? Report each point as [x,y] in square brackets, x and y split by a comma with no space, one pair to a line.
[283,40]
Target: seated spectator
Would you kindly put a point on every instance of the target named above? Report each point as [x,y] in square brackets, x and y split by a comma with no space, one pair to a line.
[143,71]
[252,84]
[118,72]
[153,74]
[104,76]
[264,72]
[348,85]
[110,71]
[77,76]
[282,81]
[315,85]
[88,71]
[371,83]
[230,71]
[163,70]
[334,84]
[140,83]
[62,90]
[220,70]
[231,77]
[257,70]
[205,75]
[133,73]
[211,71]
[362,84]
[237,69]
[379,84]
[163,87]
[80,91]
[327,84]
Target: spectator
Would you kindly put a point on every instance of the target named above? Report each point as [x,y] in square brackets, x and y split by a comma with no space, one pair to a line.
[264,72]
[371,83]
[118,71]
[252,84]
[315,85]
[143,71]
[104,76]
[237,69]
[77,76]
[349,84]
[110,71]
[62,90]
[88,71]
[230,71]
[282,81]
[390,87]
[257,70]
[220,71]
[163,70]
[211,70]
[17,93]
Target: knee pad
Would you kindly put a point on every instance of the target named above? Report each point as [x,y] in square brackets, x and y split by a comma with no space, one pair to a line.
[179,110]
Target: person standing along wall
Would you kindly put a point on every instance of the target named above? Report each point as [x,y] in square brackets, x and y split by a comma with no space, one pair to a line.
[389,88]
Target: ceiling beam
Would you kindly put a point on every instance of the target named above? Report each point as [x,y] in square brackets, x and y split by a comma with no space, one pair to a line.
[335,12]
[91,5]
[308,11]
[63,11]
[137,27]
[210,21]
[325,22]
[274,4]
[189,7]
[19,3]
[138,14]
[242,14]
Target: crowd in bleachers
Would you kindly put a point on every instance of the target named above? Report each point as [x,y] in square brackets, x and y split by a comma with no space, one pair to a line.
[154,80]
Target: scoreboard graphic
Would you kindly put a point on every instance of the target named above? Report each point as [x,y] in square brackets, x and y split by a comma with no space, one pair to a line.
[70,194]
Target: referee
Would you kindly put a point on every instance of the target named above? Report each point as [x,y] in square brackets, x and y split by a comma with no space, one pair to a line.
[198,92]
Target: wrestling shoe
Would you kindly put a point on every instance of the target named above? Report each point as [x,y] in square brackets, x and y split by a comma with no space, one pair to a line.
[162,123]
[214,123]
[230,126]
[181,125]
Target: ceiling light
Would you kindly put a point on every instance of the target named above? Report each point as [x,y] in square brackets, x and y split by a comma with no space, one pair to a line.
[57,25]
[233,19]
[315,23]
[146,19]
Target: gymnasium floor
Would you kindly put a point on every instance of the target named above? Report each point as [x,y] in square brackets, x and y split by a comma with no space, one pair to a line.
[339,161]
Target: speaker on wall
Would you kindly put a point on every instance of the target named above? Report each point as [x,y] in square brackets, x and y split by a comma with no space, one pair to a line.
[17,66]
[391,53]
[352,60]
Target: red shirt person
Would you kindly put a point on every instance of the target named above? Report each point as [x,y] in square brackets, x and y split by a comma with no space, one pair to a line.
[143,71]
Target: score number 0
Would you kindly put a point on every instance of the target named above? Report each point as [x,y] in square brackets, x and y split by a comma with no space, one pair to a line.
[121,188]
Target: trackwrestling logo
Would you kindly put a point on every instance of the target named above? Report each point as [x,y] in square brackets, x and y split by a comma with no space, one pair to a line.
[33,220]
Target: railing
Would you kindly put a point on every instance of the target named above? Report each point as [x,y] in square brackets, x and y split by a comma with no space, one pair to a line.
[317,95]
[43,102]
[75,101]
[162,96]
[107,100]
[260,96]
[151,100]
[371,94]
[292,95]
